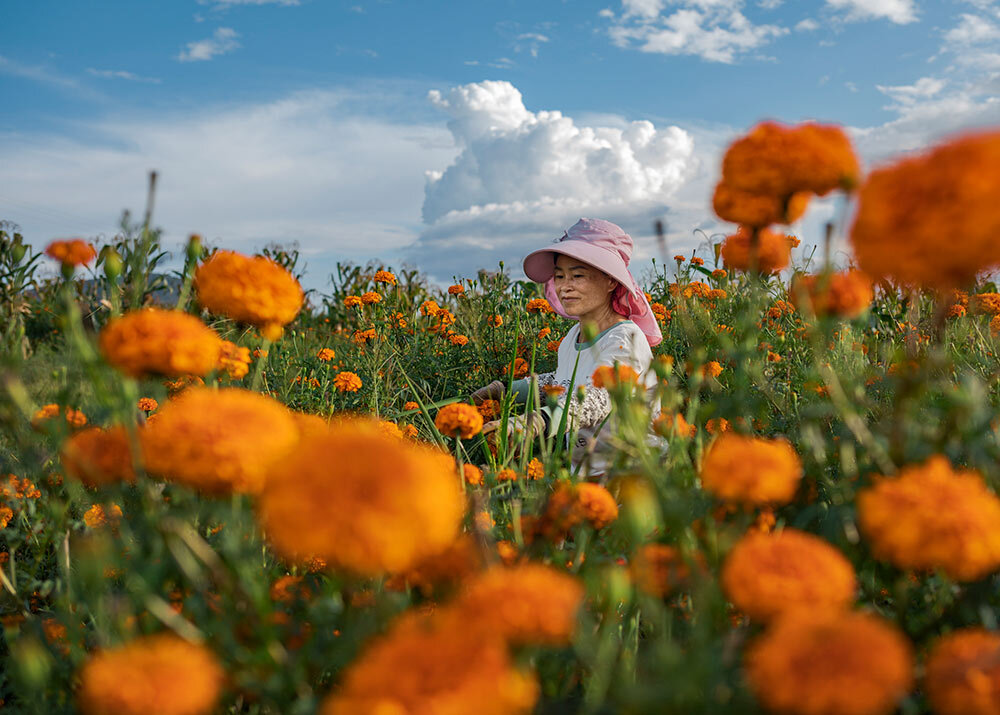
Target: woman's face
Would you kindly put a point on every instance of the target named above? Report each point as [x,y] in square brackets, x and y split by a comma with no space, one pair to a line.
[582,289]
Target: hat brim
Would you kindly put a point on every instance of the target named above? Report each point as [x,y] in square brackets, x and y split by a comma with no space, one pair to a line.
[539,265]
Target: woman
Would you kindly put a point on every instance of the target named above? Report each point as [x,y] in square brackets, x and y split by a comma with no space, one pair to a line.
[586,277]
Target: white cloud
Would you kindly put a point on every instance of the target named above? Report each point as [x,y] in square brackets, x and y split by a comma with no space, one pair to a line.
[715,30]
[521,175]
[923,88]
[222,41]
[897,11]
[770,4]
[807,25]
[121,74]
[321,168]
[44,75]
[531,41]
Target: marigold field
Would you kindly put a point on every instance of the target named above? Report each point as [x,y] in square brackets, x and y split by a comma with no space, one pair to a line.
[246,498]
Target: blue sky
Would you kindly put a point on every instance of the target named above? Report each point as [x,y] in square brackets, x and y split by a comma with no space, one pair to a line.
[313,121]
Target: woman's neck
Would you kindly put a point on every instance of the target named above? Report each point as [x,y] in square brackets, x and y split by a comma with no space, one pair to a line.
[603,317]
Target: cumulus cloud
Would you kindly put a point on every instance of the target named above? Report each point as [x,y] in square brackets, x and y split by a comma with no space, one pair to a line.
[222,41]
[807,25]
[521,174]
[897,11]
[715,30]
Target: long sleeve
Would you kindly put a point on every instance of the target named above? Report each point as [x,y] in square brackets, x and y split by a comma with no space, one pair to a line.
[520,387]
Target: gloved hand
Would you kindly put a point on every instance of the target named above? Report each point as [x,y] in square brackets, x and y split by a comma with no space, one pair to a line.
[493,391]
[521,429]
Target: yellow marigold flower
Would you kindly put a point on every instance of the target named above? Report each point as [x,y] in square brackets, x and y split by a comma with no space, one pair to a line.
[904,520]
[711,369]
[234,360]
[384,277]
[347,382]
[538,305]
[430,308]
[750,470]
[458,340]
[495,320]
[449,668]
[396,502]
[71,252]
[353,301]
[659,569]
[846,294]
[74,418]
[218,441]
[573,504]
[610,377]
[326,354]
[473,475]
[910,212]
[506,475]
[769,574]
[779,160]
[371,298]
[963,673]
[98,457]
[536,470]
[154,341]
[160,673]
[459,420]
[772,254]
[95,517]
[524,604]
[986,303]
[760,210]
[665,424]
[456,289]
[830,663]
[252,290]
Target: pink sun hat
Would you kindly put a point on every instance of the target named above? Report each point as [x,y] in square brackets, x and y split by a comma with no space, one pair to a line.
[606,247]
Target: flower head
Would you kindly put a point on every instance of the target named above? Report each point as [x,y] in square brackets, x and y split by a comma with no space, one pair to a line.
[384,277]
[573,504]
[371,298]
[830,663]
[773,251]
[97,456]
[161,674]
[347,382]
[750,470]
[538,305]
[758,210]
[459,420]
[75,419]
[766,575]
[963,673]
[252,290]
[234,360]
[458,340]
[326,354]
[659,569]
[844,295]
[153,341]
[218,441]
[933,516]
[395,502]
[353,301]
[71,252]
[456,290]
[610,377]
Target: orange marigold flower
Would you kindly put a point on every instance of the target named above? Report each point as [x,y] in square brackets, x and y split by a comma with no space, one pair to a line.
[289,588]
[779,160]
[751,470]
[680,259]
[147,404]
[554,391]
[830,663]
[473,475]
[520,368]
[719,273]
[429,307]
[371,298]
[659,569]
[159,673]
[524,604]
[456,289]
[544,333]
[573,504]
[769,574]
[696,261]
[98,457]
[411,405]
[610,377]
[535,470]
[396,502]
[448,667]
[95,517]
[506,475]
[759,210]
[903,520]
[74,418]
[716,426]
[458,340]
[71,252]
[326,354]
[353,301]
[384,277]
[347,382]
[665,424]
[495,320]
[986,303]
[459,420]
[363,337]
[462,558]
[553,345]
[910,212]
[489,409]
[153,341]
[410,432]
[309,425]
[711,369]
[659,310]
[181,383]
[717,294]
[773,356]
[252,290]
[538,305]
[773,251]
[234,360]
[844,295]
[218,441]
[963,673]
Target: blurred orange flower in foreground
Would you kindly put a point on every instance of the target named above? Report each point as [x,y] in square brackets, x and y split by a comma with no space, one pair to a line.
[751,470]
[963,673]
[97,456]
[153,341]
[71,252]
[772,253]
[846,294]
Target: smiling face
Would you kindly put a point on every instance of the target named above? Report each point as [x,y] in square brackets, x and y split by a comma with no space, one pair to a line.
[582,289]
